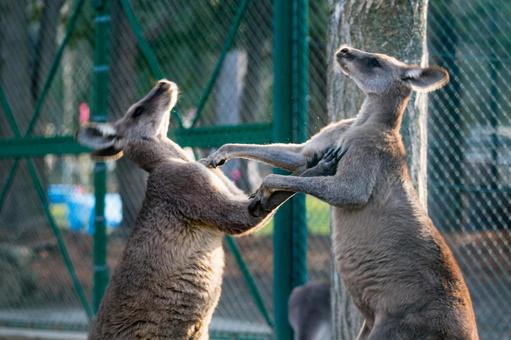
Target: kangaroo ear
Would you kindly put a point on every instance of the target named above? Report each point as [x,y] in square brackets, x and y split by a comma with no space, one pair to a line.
[96,136]
[101,138]
[425,79]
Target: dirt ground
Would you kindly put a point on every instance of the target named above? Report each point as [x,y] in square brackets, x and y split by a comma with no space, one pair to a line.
[485,258]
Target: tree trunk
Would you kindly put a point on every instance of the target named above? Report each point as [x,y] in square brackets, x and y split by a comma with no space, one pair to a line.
[397,28]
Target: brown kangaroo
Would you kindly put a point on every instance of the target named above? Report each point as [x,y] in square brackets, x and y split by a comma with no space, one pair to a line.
[394,262]
[168,281]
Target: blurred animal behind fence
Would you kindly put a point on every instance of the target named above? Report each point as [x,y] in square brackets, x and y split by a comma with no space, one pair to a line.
[310,311]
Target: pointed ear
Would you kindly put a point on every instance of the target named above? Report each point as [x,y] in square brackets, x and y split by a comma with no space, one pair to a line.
[97,136]
[100,137]
[425,79]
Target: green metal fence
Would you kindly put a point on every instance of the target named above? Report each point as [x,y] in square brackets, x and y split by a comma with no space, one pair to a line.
[89,61]
[249,71]
[469,143]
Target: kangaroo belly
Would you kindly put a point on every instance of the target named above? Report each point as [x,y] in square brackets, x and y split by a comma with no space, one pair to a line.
[400,268]
[160,294]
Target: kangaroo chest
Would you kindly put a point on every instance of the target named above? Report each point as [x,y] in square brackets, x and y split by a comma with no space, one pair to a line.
[368,252]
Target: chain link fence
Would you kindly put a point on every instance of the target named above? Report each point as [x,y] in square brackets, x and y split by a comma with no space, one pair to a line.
[469,150]
[220,55]
[225,83]
[42,86]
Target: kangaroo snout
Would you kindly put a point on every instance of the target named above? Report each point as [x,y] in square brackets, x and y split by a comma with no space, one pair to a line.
[344,52]
[170,88]
[344,55]
[167,85]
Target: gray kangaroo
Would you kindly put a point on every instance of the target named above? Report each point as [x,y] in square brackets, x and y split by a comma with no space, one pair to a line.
[394,262]
[168,281]
[309,311]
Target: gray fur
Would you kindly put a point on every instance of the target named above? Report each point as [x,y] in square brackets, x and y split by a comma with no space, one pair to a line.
[309,311]
[394,262]
[168,281]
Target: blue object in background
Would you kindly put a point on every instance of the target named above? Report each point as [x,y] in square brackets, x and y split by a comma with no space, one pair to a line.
[58,193]
[113,212]
[80,207]
[79,210]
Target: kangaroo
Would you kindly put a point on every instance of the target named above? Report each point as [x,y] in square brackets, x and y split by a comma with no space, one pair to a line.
[309,311]
[168,281]
[394,262]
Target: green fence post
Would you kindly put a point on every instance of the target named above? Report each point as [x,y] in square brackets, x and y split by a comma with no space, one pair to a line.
[300,100]
[99,114]
[290,91]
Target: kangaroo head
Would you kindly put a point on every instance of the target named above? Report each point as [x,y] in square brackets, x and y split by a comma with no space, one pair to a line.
[148,119]
[379,74]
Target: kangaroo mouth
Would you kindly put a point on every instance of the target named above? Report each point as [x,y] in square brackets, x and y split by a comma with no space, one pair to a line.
[343,66]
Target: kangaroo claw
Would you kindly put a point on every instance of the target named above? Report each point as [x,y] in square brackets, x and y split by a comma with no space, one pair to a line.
[212,161]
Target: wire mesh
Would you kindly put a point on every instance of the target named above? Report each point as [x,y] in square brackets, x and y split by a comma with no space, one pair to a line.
[469,142]
[468,175]
[38,287]
[186,39]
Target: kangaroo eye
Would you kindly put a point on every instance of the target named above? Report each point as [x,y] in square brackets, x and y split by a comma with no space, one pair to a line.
[138,111]
[373,62]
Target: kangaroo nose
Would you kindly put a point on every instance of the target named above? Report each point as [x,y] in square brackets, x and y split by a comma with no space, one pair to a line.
[166,85]
[343,52]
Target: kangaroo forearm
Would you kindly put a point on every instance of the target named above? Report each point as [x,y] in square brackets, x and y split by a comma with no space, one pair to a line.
[232,217]
[330,189]
[205,200]
[285,156]
[279,197]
